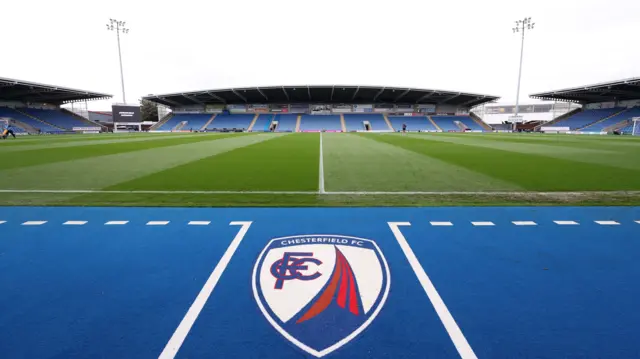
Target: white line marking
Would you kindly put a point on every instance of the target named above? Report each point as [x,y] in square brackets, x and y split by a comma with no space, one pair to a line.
[321,170]
[566,223]
[33,223]
[74,223]
[607,223]
[363,193]
[116,223]
[157,223]
[199,223]
[524,223]
[638,222]
[464,349]
[180,334]
[3,222]
[442,224]
[483,223]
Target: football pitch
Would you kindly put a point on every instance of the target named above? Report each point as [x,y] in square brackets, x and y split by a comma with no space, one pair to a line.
[313,169]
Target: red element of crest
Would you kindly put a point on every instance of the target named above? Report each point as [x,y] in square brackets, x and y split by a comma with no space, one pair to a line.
[343,282]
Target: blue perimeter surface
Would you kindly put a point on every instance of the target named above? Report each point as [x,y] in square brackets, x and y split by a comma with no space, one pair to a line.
[516,291]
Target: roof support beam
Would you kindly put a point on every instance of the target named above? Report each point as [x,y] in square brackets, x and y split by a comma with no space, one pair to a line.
[239,95]
[170,101]
[332,88]
[401,95]
[426,96]
[191,98]
[449,98]
[216,97]
[262,93]
[285,93]
[309,92]
[355,93]
[472,101]
[378,94]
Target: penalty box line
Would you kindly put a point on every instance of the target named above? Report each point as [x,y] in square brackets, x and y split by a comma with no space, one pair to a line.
[458,339]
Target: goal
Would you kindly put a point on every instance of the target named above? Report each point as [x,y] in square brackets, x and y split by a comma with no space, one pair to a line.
[636,126]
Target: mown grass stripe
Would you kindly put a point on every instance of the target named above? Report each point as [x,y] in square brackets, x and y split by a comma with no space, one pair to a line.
[61,154]
[106,171]
[285,163]
[358,163]
[603,153]
[530,171]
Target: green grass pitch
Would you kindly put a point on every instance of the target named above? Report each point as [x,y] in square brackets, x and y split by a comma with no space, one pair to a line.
[265,169]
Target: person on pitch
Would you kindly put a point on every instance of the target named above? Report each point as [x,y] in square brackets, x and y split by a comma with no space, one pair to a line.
[7,130]
[404,128]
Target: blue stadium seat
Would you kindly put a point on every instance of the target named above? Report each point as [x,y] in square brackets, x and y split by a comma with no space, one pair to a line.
[626,115]
[13,114]
[231,121]
[194,121]
[446,123]
[57,118]
[286,123]
[320,122]
[414,123]
[586,117]
[355,122]
[263,123]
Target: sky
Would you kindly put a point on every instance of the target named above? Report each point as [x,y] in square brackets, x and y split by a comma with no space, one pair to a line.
[187,45]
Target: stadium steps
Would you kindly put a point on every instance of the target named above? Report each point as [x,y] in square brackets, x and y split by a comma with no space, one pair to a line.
[298,123]
[37,119]
[342,123]
[26,127]
[162,121]
[434,123]
[604,119]
[559,118]
[480,122]
[617,126]
[386,119]
[213,117]
[255,118]
[180,126]
[461,126]
[81,118]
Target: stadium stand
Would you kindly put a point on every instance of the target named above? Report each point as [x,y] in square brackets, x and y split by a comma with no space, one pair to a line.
[263,123]
[469,122]
[356,122]
[414,123]
[230,121]
[446,123]
[56,118]
[194,121]
[628,129]
[28,120]
[622,116]
[587,117]
[286,123]
[171,123]
[320,123]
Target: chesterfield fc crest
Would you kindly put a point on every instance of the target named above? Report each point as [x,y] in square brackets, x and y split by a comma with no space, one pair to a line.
[321,291]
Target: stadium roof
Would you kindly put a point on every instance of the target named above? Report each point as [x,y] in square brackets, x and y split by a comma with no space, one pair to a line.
[23,91]
[628,89]
[329,94]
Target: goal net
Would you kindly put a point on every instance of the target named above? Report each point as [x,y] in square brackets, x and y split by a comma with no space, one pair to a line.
[636,126]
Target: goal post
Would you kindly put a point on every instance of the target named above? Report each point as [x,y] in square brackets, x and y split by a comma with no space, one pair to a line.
[635,131]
